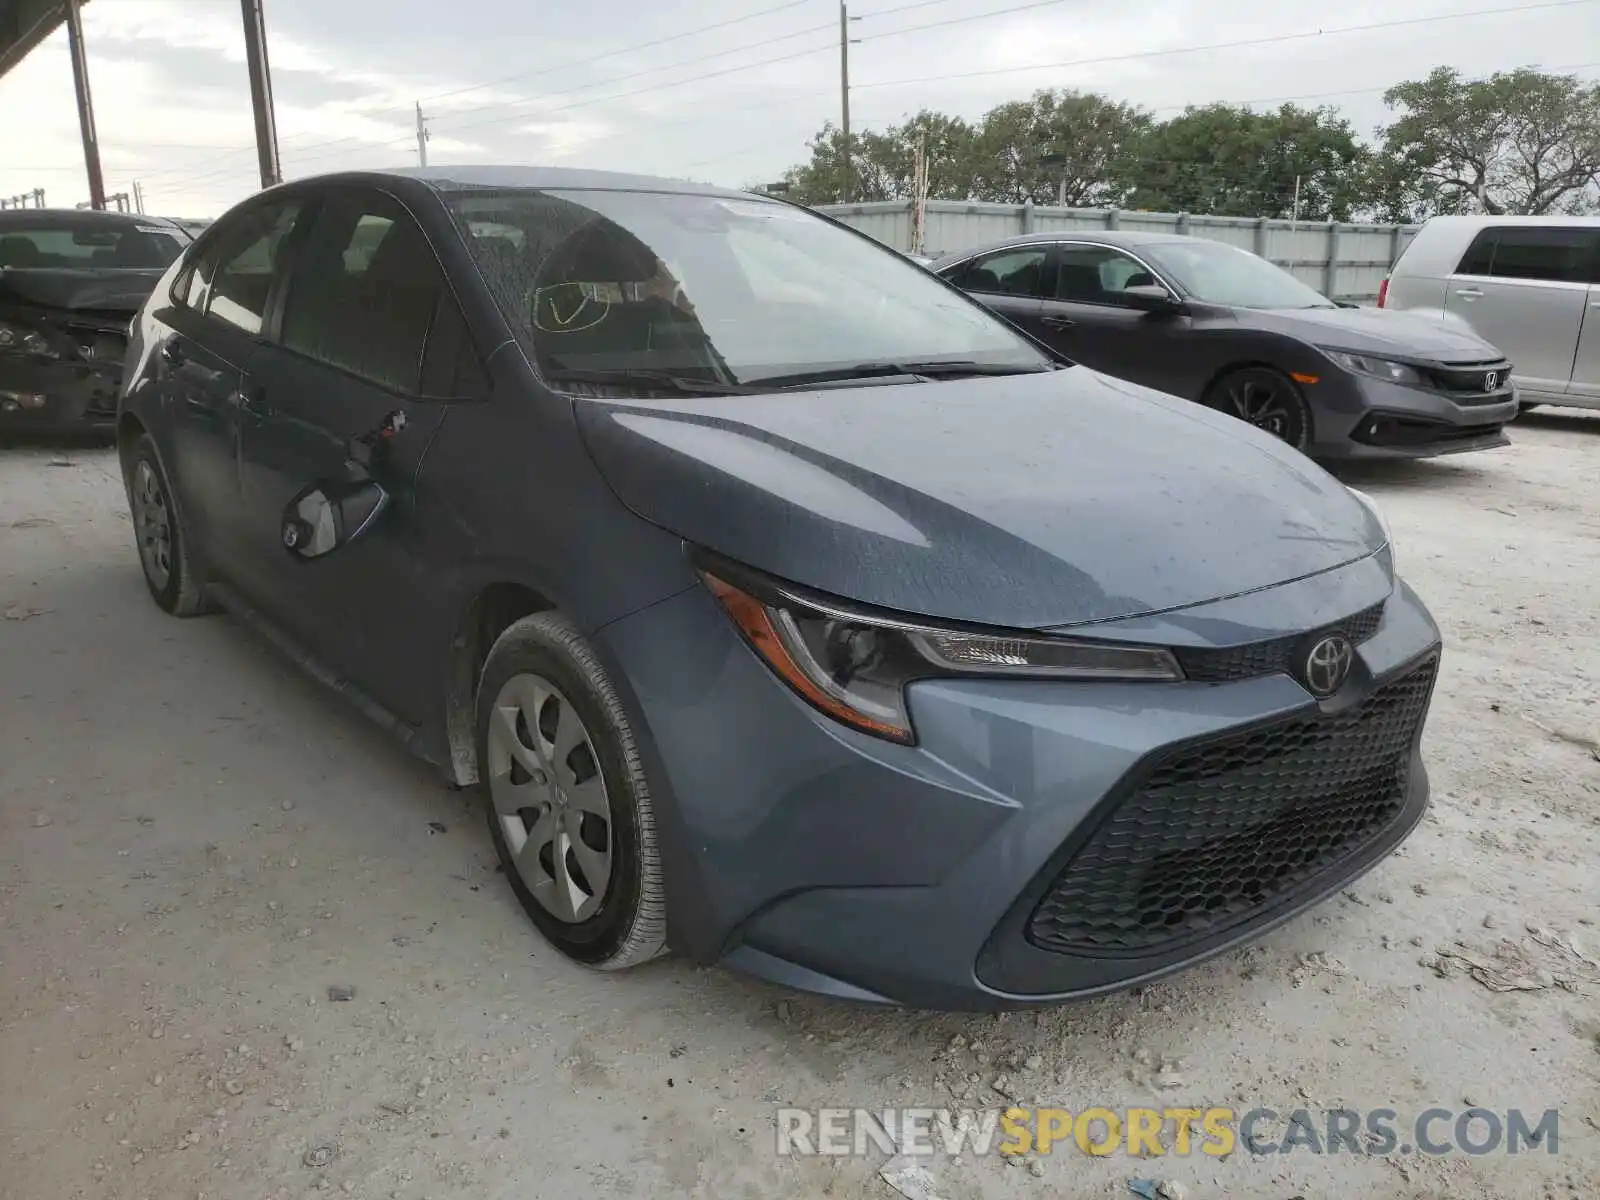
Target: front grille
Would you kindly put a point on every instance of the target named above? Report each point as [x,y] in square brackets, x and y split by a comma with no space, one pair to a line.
[1469,383]
[1270,657]
[1218,832]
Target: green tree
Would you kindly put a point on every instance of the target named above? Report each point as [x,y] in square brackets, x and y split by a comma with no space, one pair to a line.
[1060,146]
[1518,142]
[882,165]
[1235,162]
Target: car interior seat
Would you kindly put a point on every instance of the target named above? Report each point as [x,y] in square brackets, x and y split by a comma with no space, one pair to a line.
[19,252]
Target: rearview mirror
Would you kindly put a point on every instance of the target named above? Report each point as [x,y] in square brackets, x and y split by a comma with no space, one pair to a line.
[1151,297]
[325,516]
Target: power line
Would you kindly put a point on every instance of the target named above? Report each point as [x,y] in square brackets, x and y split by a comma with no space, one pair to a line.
[827,27]
[1235,45]
[999,12]
[534,113]
[1242,102]
[831,46]
[677,37]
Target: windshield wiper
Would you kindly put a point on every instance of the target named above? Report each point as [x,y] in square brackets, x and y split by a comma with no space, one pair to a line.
[924,368]
[640,377]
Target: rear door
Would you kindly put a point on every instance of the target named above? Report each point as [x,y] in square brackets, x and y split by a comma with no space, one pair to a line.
[372,349]
[1525,288]
[210,338]
[1012,281]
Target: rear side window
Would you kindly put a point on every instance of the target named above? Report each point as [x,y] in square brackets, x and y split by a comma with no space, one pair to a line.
[233,278]
[370,298]
[1548,253]
[1018,272]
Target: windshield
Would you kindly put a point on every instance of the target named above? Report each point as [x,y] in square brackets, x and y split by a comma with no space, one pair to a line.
[94,245]
[1217,273]
[642,285]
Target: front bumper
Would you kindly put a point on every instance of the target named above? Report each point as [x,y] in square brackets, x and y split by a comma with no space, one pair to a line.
[1378,419]
[802,852]
[58,396]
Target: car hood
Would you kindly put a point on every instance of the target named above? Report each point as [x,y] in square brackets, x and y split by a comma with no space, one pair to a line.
[1027,501]
[106,290]
[1374,331]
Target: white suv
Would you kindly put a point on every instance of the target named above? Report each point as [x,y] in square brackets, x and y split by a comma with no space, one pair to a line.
[1529,285]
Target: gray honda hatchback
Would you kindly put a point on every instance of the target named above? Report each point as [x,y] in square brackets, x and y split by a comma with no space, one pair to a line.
[787,607]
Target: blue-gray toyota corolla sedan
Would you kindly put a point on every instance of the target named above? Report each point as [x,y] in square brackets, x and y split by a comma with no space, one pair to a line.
[788,608]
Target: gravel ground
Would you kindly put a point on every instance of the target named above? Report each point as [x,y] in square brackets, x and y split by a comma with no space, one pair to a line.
[197,843]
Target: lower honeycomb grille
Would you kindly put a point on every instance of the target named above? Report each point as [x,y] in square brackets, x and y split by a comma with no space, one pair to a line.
[1219,831]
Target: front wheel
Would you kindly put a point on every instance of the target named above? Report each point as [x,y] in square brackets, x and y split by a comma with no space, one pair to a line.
[566,796]
[1267,399]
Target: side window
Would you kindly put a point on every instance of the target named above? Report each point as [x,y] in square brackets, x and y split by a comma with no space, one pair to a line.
[369,298]
[1018,272]
[235,276]
[1547,253]
[1095,274]
[1479,255]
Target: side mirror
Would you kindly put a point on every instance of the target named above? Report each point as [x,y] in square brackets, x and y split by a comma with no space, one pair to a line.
[1151,297]
[325,516]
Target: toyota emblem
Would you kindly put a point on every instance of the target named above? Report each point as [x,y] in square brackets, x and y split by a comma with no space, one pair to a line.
[1491,381]
[1327,664]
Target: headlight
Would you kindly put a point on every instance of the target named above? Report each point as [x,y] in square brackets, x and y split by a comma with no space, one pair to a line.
[1378,368]
[854,664]
[18,340]
[1371,506]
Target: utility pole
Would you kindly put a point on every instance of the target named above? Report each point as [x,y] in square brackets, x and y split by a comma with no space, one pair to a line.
[844,100]
[422,136]
[80,79]
[1294,226]
[919,192]
[255,54]
[138,197]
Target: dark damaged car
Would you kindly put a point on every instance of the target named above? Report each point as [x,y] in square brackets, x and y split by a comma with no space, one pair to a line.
[70,282]
[789,608]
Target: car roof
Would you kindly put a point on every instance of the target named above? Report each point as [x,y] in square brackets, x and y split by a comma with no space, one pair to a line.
[81,217]
[1127,239]
[467,177]
[1475,222]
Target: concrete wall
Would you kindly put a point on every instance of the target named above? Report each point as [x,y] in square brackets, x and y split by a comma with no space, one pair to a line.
[1341,260]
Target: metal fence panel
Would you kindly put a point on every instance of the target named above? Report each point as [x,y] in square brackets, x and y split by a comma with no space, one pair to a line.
[1344,261]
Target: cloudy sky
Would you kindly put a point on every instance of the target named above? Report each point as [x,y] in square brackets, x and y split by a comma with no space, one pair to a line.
[720,90]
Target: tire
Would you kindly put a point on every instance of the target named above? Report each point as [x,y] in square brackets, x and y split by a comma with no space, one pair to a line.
[166,554]
[1266,398]
[590,882]
[1526,406]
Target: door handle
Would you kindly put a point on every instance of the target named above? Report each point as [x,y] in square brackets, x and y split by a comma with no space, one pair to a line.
[1468,293]
[1059,322]
[255,403]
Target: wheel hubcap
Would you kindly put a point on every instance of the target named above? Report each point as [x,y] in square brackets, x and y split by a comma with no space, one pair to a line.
[549,797]
[1263,405]
[152,523]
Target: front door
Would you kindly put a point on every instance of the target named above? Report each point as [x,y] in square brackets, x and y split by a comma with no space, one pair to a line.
[1525,289]
[1087,319]
[348,397]
[209,342]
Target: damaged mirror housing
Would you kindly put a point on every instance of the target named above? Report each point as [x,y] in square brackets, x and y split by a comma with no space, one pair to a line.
[325,516]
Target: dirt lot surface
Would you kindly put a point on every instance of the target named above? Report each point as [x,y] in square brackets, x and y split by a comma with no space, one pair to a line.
[196,843]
